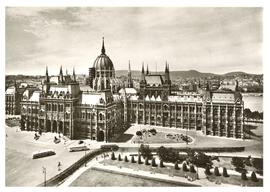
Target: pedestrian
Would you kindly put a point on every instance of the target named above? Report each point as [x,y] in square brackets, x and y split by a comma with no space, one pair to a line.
[59,166]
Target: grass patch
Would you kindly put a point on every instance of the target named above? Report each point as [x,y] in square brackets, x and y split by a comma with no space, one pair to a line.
[94,178]
[12,122]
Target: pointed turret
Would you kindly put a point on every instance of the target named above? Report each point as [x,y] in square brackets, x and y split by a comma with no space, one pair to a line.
[61,77]
[103,47]
[167,74]
[147,70]
[142,74]
[47,79]
[74,75]
[130,82]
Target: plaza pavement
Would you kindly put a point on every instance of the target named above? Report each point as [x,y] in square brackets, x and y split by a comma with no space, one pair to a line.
[21,168]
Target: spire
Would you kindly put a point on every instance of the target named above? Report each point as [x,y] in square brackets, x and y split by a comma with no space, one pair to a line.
[47,75]
[66,72]
[74,76]
[129,83]
[147,71]
[236,86]
[142,74]
[103,47]
[61,70]
[47,71]
[167,73]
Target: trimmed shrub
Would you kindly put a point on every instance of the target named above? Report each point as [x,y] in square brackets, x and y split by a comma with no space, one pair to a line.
[192,169]
[113,156]
[139,160]
[146,162]
[216,171]
[132,159]
[153,163]
[161,164]
[184,167]
[254,176]
[207,171]
[119,158]
[244,176]
[145,151]
[238,163]
[225,173]
[176,167]
[126,159]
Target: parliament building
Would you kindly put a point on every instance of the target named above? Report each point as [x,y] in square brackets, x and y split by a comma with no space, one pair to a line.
[99,111]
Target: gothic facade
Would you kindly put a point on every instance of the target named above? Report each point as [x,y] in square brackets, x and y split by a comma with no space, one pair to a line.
[99,112]
[62,107]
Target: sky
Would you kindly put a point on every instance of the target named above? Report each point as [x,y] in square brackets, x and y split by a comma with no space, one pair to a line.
[216,40]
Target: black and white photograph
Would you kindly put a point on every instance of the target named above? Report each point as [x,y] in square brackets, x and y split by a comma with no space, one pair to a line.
[136,96]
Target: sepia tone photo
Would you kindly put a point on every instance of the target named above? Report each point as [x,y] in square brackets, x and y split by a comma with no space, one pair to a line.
[133,97]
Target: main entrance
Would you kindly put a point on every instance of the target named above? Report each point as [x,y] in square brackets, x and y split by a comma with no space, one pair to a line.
[100,136]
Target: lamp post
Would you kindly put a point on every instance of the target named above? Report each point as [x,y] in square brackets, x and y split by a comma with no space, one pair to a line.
[44,172]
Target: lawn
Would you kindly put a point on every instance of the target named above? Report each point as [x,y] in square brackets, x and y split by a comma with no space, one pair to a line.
[170,170]
[235,180]
[94,178]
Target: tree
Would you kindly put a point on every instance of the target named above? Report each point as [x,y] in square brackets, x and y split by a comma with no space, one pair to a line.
[153,131]
[216,171]
[139,160]
[139,133]
[176,167]
[153,163]
[207,171]
[238,163]
[161,163]
[113,156]
[170,155]
[258,164]
[133,160]
[146,162]
[244,176]
[224,173]
[199,159]
[145,151]
[119,157]
[184,167]
[192,169]
[126,159]
[254,176]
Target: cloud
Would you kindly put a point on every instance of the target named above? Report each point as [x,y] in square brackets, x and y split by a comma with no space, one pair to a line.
[206,39]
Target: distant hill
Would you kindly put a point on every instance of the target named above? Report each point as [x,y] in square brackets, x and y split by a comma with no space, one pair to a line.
[186,74]
[174,74]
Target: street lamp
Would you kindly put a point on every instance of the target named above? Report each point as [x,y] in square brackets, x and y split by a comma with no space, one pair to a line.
[44,172]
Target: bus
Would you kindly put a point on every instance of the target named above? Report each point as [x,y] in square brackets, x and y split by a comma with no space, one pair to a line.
[44,153]
[112,147]
[78,148]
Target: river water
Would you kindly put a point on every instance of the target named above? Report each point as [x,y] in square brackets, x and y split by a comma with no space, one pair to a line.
[253,101]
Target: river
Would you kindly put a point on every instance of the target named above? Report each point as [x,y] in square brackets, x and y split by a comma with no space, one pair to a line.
[253,101]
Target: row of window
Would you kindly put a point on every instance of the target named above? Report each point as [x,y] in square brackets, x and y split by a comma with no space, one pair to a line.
[10,98]
[56,107]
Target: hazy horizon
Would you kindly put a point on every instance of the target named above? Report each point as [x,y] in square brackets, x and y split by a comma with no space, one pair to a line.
[208,40]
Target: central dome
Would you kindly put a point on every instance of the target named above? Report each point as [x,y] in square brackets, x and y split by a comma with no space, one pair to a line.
[103,62]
